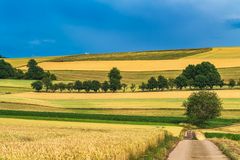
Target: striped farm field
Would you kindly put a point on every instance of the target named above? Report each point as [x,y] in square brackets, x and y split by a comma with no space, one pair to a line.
[18,62]
[138,65]
[136,77]
[136,95]
[142,100]
[28,139]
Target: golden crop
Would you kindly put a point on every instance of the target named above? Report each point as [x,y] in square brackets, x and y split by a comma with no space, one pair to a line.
[41,140]
[137,65]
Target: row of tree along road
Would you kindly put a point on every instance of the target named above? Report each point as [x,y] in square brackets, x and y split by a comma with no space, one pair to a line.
[200,76]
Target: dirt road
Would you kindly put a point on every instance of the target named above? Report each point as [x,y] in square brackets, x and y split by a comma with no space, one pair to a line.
[196,150]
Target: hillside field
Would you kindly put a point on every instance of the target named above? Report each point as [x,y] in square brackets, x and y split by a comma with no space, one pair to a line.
[109,125]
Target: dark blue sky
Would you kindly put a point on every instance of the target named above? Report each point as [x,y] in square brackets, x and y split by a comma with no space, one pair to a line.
[58,27]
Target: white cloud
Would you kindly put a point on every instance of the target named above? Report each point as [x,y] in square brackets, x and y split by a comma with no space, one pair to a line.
[37,42]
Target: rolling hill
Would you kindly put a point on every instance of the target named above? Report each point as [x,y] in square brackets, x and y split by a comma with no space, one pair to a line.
[138,66]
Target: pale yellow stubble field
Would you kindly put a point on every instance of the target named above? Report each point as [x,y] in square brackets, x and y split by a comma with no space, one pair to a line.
[29,139]
[136,95]
[137,65]
[218,53]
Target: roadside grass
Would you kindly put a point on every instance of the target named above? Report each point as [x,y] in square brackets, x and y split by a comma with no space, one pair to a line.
[230,148]
[159,151]
[235,137]
[141,55]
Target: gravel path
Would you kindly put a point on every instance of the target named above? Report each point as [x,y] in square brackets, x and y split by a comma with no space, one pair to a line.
[196,150]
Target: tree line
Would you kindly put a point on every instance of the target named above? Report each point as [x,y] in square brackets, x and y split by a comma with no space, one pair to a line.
[34,72]
[200,76]
[113,84]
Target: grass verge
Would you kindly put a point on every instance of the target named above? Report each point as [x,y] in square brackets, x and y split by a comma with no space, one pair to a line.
[229,150]
[160,151]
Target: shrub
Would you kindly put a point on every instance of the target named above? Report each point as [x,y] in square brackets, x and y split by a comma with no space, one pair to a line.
[232,83]
[61,86]
[70,87]
[78,86]
[162,82]
[95,85]
[47,82]
[54,87]
[143,86]
[105,86]
[124,86]
[37,86]
[133,87]
[87,85]
[152,83]
[202,106]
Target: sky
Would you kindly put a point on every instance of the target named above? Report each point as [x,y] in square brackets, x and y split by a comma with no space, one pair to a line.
[31,28]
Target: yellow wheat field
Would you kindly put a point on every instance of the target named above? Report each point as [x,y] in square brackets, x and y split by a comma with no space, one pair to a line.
[136,95]
[47,140]
[138,65]
[220,52]
[18,62]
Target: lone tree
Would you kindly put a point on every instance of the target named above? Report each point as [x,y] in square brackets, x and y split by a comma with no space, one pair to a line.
[114,79]
[37,86]
[202,106]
